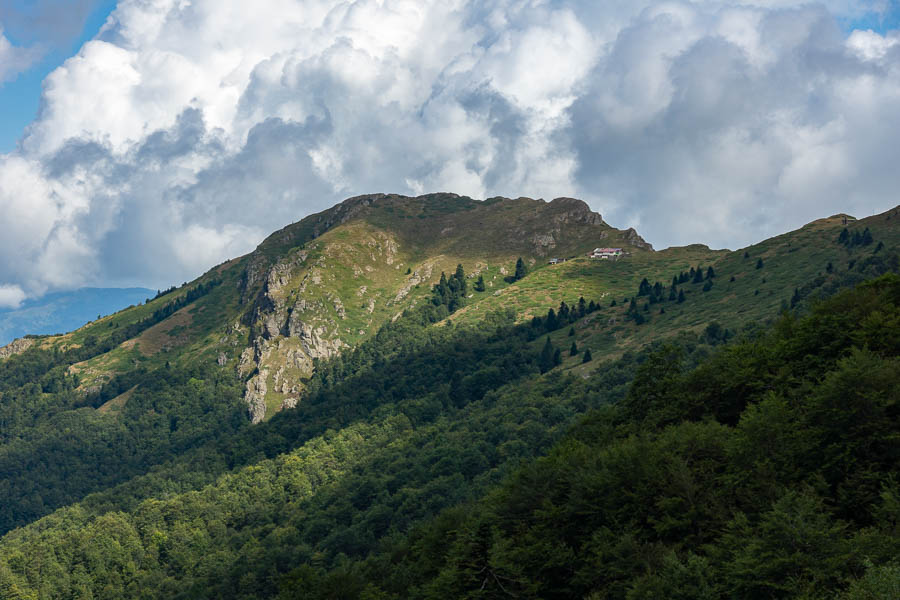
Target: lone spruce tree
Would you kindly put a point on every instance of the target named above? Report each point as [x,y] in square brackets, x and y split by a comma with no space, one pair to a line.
[586,357]
[574,349]
[479,285]
[520,269]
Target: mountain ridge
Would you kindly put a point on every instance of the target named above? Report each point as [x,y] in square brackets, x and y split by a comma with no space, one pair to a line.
[322,285]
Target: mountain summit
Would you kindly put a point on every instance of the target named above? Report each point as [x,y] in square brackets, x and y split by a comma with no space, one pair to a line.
[323,284]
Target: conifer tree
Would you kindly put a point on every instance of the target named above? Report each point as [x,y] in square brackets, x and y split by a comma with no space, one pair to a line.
[574,349]
[571,331]
[479,285]
[680,296]
[545,362]
[698,276]
[710,273]
[759,263]
[644,287]
[866,237]
[586,357]
[582,307]
[441,291]
[612,303]
[557,357]
[563,312]
[460,276]
[551,320]
[673,295]
[844,237]
[520,269]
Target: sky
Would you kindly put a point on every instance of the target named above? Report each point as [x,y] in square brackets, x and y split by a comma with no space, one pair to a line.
[144,141]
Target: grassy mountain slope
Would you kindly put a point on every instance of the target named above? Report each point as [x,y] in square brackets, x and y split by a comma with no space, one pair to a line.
[795,261]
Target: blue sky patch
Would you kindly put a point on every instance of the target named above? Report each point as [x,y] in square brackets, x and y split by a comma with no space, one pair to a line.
[24,25]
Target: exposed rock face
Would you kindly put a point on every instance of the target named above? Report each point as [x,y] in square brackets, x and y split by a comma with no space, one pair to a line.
[543,241]
[575,211]
[314,340]
[632,237]
[339,307]
[255,396]
[16,347]
[563,212]
[419,275]
[287,342]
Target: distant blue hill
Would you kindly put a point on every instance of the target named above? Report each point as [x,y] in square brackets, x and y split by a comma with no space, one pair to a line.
[61,312]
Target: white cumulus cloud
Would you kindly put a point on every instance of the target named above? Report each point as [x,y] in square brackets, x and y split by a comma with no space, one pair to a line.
[14,59]
[185,131]
[11,296]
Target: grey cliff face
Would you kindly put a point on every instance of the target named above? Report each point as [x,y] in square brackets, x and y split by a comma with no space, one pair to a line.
[16,347]
[287,342]
[632,237]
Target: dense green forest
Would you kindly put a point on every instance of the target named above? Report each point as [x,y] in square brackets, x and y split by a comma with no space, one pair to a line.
[437,462]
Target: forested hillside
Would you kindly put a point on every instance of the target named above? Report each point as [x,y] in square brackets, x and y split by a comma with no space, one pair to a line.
[438,417]
[762,468]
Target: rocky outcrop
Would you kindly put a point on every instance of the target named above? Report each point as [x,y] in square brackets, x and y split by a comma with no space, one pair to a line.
[418,276]
[313,340]
[572,210]
[542,242]
[632,237]
[16,347]
[289,336]
[255,396]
